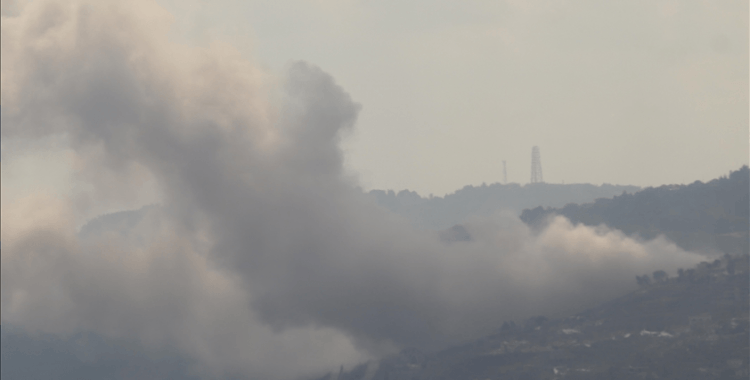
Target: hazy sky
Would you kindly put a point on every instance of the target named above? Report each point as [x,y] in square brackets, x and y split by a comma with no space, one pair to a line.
[628,92]
[263,258]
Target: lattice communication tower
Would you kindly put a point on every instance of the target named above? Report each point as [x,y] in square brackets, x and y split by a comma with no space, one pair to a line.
[536,166]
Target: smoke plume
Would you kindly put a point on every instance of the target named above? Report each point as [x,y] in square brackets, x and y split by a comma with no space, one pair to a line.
[263,257]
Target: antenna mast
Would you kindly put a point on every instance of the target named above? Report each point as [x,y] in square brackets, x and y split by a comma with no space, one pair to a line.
[536,166]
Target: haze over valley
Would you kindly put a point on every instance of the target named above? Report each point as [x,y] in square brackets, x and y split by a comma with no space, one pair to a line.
[176,209]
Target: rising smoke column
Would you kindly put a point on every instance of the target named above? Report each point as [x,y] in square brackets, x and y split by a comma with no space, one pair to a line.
[263,258]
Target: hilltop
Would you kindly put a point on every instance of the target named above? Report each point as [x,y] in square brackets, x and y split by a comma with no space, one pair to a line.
[699,216]
[443,212]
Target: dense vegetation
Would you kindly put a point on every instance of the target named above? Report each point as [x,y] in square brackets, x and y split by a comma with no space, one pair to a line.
[444,212]
[712,215]
[691,326]
[694,325]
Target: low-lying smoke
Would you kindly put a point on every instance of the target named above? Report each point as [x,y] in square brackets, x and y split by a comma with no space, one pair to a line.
[263,257]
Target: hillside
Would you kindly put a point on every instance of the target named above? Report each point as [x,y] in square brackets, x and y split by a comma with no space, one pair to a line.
[699,216]
[443,212]
[691,326]
[694,326]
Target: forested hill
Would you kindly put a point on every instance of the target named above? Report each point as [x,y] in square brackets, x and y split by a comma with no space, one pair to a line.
[444,212]
[692,326]
[696,216]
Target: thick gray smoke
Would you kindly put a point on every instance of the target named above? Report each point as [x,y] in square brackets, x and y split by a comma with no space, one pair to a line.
[263,258]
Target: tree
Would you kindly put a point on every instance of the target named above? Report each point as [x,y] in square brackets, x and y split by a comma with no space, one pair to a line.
[643,280]
[660,276]
[730,268]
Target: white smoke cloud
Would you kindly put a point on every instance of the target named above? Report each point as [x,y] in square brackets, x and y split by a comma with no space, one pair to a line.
[263,258]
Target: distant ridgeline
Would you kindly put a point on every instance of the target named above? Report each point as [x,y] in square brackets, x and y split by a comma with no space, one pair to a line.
[698,216]
[444,212]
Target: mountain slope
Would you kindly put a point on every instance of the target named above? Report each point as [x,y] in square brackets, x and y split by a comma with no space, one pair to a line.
[699,216]
[694,326]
